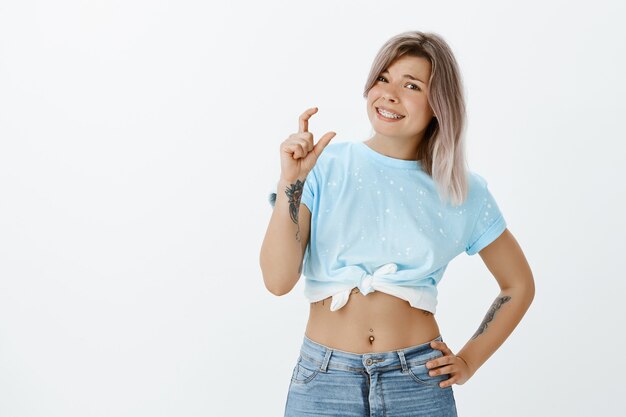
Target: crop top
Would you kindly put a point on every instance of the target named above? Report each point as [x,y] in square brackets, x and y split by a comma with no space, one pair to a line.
[378,223]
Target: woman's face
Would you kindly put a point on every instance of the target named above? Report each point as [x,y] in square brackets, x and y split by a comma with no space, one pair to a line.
[402,95]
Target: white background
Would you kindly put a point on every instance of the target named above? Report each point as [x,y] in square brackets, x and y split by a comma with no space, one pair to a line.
[138,142]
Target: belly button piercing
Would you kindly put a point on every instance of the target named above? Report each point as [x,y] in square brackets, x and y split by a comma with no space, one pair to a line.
[371,339]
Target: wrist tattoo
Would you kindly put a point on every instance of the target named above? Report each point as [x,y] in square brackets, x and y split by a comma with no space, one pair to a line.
[490,314]
[294,194]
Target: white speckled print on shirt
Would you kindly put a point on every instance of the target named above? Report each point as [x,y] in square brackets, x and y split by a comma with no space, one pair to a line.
[377,223]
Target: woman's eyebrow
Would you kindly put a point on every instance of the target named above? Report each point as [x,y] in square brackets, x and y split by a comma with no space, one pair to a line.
[409,76]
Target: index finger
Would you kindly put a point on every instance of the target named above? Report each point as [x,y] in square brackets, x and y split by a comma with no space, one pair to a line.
[304,119]
[442,346]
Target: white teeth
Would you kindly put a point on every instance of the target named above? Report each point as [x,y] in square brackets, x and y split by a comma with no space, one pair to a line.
[390,115]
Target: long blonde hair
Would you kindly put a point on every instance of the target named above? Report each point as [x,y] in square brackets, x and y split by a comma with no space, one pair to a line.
[442,151]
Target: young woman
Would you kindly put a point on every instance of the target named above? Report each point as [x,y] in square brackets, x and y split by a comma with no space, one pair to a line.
[375,224]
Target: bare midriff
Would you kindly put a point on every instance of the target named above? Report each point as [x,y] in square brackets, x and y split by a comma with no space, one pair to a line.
[376,322]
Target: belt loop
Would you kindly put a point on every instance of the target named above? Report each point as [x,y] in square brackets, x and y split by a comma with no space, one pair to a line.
[324,366]
[402,361]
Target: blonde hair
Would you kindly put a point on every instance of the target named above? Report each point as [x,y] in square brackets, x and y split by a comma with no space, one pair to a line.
[442,150]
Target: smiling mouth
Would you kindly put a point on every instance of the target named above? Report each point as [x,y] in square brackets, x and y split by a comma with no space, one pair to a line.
[389,115]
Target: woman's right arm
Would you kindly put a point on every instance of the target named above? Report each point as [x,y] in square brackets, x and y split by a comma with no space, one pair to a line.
[282,251]
[287,235]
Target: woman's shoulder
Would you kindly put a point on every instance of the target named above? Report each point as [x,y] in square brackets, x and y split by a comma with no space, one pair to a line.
[475,180]
[478,188]
[335,151]
[337,148]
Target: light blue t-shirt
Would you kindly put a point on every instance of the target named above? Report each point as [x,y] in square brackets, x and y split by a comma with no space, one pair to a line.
[377,223]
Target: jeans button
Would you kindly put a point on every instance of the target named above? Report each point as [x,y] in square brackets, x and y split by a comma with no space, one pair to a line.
[368,361]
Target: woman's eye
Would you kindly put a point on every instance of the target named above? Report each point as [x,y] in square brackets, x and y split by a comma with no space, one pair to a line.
[380,78]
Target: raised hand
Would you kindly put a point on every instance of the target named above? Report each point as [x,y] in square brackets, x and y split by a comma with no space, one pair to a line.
[298,153]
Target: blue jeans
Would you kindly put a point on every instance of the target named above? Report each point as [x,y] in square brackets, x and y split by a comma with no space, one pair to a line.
[332,382]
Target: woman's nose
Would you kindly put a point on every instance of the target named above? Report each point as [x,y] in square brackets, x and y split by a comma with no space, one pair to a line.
[391,98]
[390,94]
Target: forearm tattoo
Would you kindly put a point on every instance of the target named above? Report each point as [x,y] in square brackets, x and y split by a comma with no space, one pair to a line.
[294,193]
[490,314]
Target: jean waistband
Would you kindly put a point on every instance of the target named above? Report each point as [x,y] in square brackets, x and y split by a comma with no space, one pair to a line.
[319,353]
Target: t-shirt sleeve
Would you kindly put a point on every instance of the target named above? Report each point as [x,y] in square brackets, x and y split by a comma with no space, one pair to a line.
[488,225]
[310,189]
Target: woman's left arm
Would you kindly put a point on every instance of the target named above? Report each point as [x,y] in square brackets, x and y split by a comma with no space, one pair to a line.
[506,261]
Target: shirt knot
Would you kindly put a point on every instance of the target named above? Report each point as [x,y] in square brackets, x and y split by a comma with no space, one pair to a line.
[366,285]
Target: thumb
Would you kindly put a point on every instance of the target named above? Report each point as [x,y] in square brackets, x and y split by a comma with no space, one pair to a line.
[324,140]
